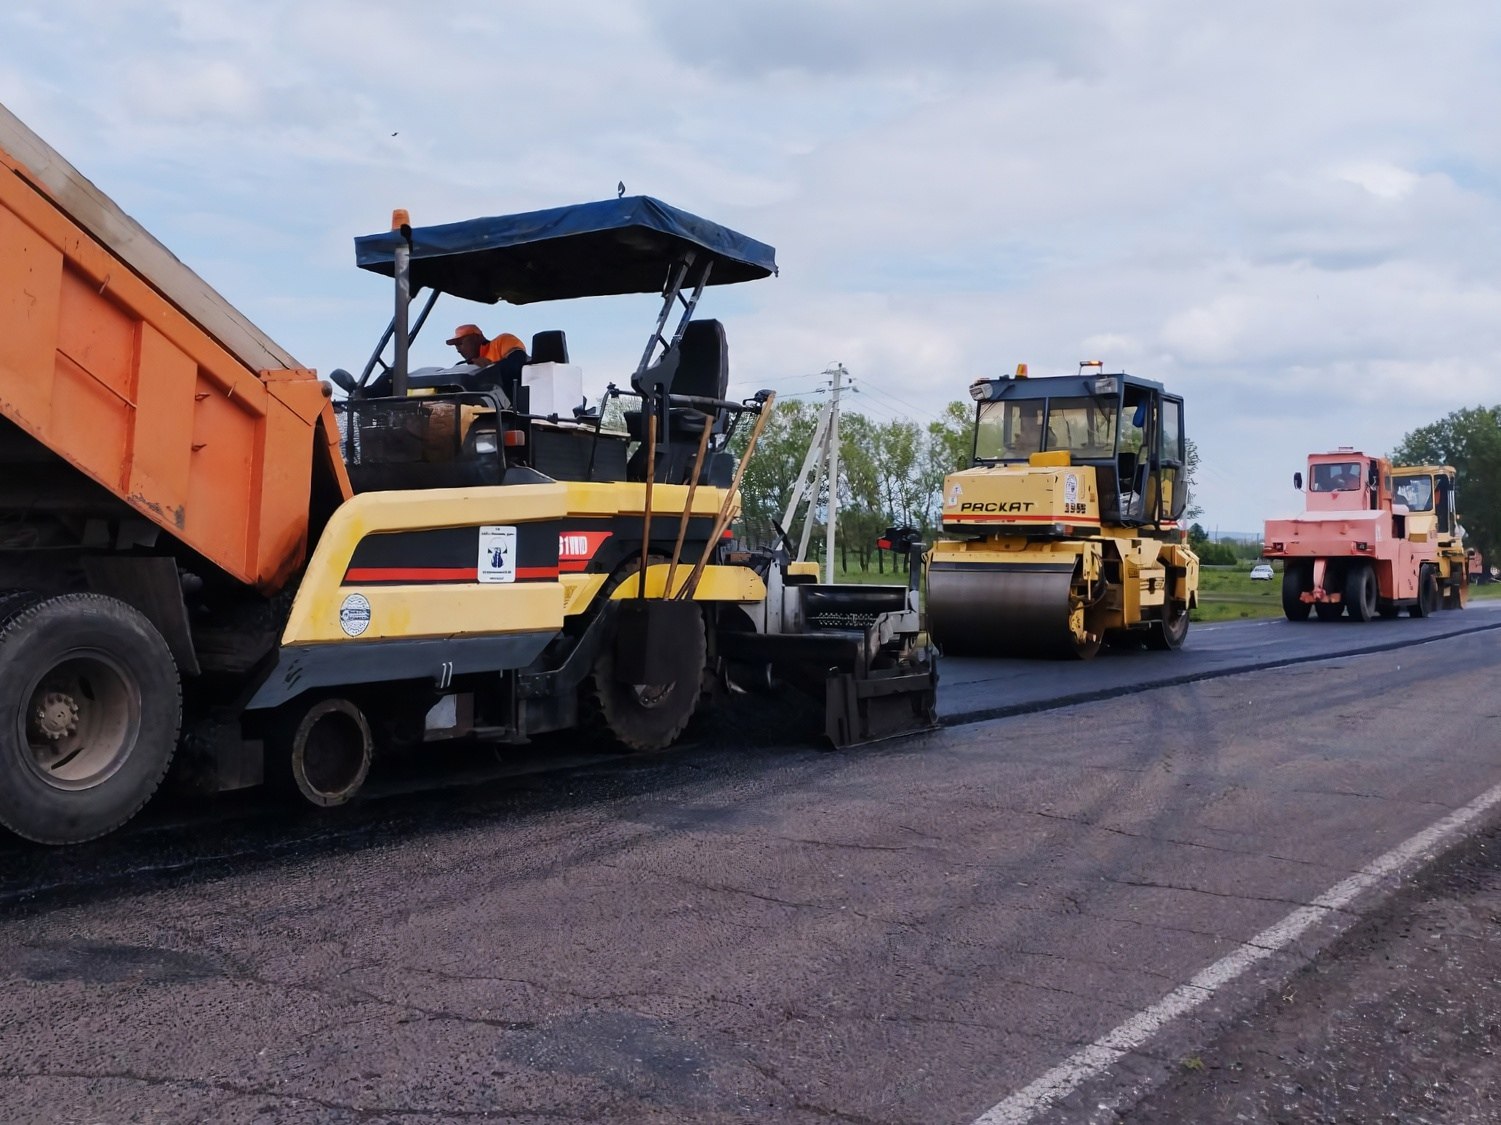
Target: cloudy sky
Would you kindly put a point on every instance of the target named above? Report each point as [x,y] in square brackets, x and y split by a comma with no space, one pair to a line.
[1289,212]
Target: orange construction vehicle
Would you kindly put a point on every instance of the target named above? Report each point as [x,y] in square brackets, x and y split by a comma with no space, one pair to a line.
[1355,548]
[205,565]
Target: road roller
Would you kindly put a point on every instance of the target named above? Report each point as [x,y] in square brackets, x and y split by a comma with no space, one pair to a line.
[1063,535]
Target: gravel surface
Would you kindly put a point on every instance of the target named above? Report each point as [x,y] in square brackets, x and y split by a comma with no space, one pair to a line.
[1399,1021]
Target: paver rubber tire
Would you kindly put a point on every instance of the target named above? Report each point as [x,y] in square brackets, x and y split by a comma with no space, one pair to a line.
[1294,582]
[1360,592]
[90,717]
[650,716]
[643,716]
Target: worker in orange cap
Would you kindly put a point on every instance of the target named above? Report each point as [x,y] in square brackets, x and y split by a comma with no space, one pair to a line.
[477,350]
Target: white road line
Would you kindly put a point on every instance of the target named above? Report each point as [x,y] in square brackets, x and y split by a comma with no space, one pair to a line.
[1091,1061]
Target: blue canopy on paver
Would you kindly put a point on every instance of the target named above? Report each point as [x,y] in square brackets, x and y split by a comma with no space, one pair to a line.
[625,245]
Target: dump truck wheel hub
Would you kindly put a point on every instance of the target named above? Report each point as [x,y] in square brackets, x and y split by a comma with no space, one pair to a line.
[82,720]
[56,716]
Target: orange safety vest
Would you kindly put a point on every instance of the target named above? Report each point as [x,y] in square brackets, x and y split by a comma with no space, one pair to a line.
[500,347]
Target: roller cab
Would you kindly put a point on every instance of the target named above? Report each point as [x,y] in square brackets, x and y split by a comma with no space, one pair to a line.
[1430,495]
[1064,533]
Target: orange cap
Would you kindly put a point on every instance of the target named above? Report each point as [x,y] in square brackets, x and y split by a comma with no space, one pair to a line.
[466,330]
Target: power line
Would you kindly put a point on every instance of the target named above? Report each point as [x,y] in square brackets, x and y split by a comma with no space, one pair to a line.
[906,406]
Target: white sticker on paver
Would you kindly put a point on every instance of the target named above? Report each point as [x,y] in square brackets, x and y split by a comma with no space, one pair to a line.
[497,554]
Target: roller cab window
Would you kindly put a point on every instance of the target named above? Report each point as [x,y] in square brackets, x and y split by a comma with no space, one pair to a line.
[1416,493]
[1014,429]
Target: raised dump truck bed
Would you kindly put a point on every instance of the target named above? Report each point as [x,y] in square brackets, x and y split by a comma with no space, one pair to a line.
[132,392]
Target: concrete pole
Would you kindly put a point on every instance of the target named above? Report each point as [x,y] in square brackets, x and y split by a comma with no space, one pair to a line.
[839,374]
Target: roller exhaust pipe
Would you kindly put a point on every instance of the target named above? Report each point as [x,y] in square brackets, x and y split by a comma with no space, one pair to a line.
[330,752]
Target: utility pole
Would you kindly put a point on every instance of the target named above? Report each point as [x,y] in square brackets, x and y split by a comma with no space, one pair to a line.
[820,465]
[840,374]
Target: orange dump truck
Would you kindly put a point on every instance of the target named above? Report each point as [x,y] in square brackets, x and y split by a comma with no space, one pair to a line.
[165,466]
[1354,549]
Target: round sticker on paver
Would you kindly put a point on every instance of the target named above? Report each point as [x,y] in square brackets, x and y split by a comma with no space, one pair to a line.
[354,615]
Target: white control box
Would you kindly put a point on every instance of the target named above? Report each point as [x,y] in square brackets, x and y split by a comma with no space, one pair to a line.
[556,388]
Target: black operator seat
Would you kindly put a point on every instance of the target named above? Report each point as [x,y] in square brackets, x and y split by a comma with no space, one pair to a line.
[701,367]
[550,346]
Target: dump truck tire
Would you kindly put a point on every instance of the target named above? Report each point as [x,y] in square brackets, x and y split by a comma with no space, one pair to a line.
[91,715]
[1294,608]
[1361,592]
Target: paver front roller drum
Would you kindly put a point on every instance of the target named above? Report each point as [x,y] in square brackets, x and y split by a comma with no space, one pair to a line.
[90,716]
[1014,609]
[323,751]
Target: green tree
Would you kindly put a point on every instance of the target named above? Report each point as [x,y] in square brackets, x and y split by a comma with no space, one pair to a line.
[1470,440]
[890,472]
[768,481]
[951,447]
[861,519]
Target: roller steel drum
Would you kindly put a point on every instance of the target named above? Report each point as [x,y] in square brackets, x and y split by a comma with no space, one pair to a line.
[1013,609]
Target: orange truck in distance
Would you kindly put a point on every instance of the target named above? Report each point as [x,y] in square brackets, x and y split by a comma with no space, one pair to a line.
[1356,548]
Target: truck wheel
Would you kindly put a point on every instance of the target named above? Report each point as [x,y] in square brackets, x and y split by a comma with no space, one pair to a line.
[1294,582]
[91,715]
[1169,633]
[1360,592]
[1428,598]
[649,716]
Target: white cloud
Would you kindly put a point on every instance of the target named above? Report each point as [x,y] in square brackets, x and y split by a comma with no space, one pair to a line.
[1284,211]
[1385,181]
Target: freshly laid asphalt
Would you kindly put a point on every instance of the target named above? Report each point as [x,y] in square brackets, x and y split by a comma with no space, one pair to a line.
[978,689]
[741,929]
